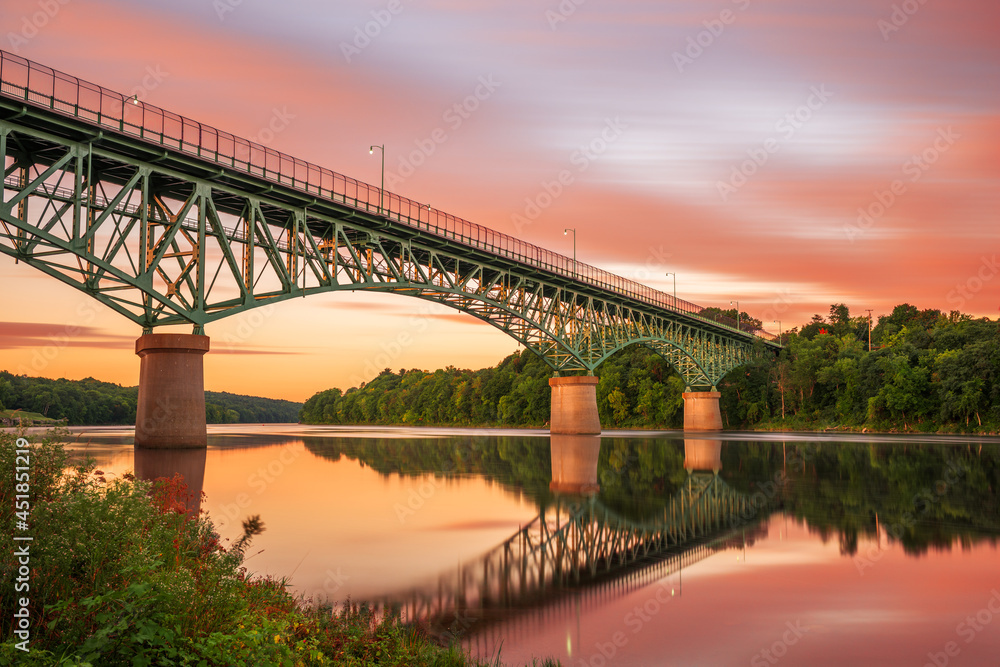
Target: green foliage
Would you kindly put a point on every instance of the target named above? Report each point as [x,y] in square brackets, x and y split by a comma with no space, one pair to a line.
[926,372]
[92,402]
[637,389]
[515,393]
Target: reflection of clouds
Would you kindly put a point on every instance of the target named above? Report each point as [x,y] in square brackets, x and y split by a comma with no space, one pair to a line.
[864,616]
[774,546]
[114,461]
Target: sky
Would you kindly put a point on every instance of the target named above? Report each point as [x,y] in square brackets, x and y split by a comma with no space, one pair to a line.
[786,154]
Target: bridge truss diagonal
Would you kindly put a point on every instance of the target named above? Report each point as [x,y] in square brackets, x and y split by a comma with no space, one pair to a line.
[161,222]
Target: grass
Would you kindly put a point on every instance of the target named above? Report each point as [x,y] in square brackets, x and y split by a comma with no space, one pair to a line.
[18,416]
[121,574]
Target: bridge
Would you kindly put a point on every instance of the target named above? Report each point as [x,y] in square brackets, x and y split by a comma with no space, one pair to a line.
[168,221]
[578,548]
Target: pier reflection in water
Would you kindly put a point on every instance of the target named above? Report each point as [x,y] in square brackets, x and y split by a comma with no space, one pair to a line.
[189,463]
[574,464]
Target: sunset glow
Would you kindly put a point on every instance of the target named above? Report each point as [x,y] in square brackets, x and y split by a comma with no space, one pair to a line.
[788,155]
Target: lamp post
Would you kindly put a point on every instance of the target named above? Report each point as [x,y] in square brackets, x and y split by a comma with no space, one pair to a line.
[565,232]
[869,329]
[779,330]
[737,312]
[381,192]
[675,288]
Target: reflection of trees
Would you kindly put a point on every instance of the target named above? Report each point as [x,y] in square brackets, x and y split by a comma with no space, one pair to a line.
[922,495]
[636,476]
[515,462]
[639,475]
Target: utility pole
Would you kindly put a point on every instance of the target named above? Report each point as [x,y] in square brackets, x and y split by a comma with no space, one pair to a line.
[869,329]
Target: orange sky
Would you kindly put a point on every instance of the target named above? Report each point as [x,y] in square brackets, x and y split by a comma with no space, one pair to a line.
[752,132]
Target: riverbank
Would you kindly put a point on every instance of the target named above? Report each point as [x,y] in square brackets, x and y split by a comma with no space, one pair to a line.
[786,426]
[121,572]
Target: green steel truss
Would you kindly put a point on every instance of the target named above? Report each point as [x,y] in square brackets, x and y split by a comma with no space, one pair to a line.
[166,231]
[578,544]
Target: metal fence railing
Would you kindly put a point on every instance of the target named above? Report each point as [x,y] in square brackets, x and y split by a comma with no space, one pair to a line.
[45,87]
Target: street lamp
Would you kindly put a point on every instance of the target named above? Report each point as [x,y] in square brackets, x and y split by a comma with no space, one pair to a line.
[675,288]
[565,232]
[779,330]
[381,192]
[869,329]
[737,312]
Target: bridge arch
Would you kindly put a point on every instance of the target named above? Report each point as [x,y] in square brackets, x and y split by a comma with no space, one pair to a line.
[169,221]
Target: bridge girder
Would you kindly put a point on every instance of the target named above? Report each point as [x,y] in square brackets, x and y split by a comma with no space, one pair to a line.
[161,245]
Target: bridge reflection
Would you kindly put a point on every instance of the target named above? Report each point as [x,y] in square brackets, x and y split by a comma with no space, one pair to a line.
[579,549]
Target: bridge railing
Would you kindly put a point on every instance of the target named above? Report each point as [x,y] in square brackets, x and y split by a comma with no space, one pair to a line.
[45,87]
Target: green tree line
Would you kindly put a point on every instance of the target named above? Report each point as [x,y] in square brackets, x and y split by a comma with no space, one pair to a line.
[637,388]
[92,402]
[925,371]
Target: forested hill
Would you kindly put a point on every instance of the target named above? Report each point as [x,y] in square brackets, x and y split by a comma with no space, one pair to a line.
[92,402]
[927,371]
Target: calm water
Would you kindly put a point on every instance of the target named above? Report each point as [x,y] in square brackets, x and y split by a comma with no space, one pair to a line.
[750,549]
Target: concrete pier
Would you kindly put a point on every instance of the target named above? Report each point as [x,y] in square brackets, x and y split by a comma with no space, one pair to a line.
[574,406]
[574,464]
[171,408]
[701,411]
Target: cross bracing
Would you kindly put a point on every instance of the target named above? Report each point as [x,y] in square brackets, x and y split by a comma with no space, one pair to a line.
[168,221]
[576,544]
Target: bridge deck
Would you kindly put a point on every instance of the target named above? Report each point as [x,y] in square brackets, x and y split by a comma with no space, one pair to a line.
[46,96]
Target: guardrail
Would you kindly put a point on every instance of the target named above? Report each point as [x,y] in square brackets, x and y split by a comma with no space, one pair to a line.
[42,86]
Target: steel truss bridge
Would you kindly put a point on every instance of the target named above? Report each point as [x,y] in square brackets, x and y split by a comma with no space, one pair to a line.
[169,221]
[576,544]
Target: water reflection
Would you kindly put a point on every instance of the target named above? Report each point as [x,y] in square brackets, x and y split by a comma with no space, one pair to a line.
[791,528]
[702,454]
[189,463]
[574,463]
[581,547]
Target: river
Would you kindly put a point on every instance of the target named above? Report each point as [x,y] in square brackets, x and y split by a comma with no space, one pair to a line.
[633,548]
